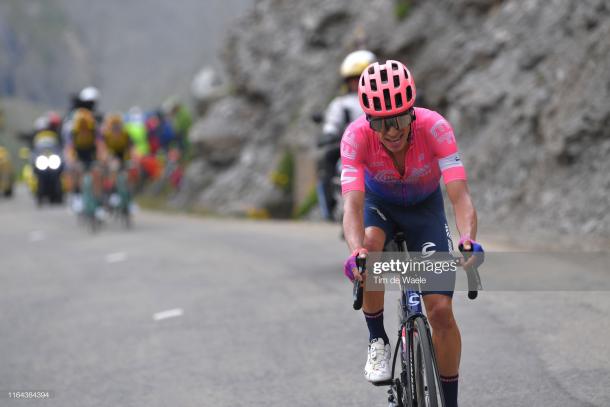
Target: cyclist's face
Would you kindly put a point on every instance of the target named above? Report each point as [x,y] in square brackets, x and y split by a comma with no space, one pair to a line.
[393,139]
[393,132]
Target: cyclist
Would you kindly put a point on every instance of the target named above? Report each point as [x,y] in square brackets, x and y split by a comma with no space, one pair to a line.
[393,159]
[83,137]
[181,120]
[116,139]
[118,147]
[341,111]
[81,149]
[135,126]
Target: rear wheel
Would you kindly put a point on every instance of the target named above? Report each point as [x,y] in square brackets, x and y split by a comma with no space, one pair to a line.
[428,391]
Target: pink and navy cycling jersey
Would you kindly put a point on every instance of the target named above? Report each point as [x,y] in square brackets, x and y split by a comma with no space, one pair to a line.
[433,152]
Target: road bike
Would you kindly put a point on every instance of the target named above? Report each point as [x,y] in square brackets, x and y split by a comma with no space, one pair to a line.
[418,384]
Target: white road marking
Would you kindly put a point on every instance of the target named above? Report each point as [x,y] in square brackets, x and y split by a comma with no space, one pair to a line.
[176,312]
[37,236]
[116,257]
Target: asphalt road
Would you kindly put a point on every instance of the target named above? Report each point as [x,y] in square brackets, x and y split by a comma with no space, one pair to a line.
[184,311]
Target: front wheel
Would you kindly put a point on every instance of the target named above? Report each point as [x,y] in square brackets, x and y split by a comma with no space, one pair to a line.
[428,390]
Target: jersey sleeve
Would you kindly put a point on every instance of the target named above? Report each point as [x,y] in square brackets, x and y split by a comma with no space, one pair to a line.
[353,152]
[440,135]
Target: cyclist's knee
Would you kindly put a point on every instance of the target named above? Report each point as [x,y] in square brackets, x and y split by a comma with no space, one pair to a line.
[440,315]
[374,239]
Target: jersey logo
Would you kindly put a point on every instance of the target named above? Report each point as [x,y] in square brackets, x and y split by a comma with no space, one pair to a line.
[442,133]
[417,173]
[425,253]
[350,138]
[347,152]
[348,169]
[386,176]
[450,161]
[414,300]
[381,215]
[449,240]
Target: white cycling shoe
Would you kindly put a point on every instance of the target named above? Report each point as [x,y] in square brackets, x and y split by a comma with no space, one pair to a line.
[377,368]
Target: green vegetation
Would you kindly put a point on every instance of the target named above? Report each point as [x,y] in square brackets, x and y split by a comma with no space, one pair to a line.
[310,201]
[283,176]
[402,9]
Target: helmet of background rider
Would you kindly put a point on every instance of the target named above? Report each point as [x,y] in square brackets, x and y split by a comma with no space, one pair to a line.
[355,62]
[135,115]
[54,121]
[89,97]
[41,124]
[386,90]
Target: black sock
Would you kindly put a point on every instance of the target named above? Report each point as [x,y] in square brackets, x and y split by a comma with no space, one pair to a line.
[375,323]
[450,390]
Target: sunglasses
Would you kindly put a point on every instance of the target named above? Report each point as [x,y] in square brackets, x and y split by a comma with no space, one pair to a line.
[398,122]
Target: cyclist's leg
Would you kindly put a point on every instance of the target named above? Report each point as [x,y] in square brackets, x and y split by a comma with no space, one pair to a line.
[447,343]
[427,230]
[378,228]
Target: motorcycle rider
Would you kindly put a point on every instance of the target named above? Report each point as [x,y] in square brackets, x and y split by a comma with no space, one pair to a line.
[341,111]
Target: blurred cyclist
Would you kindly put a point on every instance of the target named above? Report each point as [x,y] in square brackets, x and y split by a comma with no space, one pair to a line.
[393,160]
[117,152]
[54,122]
[116,140]
[341,111]
[180,119]
[88,98]
[81,149]
[135,125]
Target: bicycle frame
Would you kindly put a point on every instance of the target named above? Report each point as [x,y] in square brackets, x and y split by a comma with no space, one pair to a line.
[410,308]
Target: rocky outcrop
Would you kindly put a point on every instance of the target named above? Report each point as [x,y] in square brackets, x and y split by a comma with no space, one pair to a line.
[524,82]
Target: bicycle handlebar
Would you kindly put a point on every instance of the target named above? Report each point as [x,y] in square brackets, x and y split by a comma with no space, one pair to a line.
[474,279]
[358,291]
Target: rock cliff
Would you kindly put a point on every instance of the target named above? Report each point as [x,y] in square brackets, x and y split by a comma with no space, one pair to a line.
[524,82]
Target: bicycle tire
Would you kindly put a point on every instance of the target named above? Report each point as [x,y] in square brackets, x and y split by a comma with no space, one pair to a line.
[428,390]
[406,369]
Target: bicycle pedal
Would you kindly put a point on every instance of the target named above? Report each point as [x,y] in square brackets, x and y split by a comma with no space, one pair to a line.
[388,382]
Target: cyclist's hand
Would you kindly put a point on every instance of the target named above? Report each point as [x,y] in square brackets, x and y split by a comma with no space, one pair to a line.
[477,254]
[349,267]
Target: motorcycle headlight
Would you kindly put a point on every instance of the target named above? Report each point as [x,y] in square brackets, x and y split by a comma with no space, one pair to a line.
[42,162]
[54,162]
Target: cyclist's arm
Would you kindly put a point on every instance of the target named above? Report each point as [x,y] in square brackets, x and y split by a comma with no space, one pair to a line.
[353,219]
[353,151]
[465,214]
[442,139]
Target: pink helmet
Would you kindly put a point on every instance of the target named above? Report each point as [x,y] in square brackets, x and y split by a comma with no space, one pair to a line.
[386,90]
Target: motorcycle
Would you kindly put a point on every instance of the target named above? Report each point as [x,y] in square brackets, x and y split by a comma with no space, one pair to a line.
[48,167]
